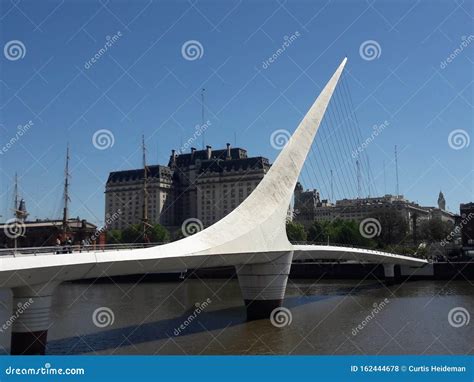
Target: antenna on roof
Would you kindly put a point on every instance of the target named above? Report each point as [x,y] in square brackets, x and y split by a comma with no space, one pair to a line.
[66,193]
[397,189]
[332,188]
[358,179]
[145,193]
[202,118]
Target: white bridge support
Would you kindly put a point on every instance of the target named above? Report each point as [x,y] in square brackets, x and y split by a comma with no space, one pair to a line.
[389,271]
[263,285]
[31,315]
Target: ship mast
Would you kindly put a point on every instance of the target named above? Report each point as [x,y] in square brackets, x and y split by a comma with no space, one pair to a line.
[15,200]
[145,193]
[66,193]
[16,210]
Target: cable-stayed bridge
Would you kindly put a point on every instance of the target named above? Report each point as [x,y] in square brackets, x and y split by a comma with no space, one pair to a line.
[252,238]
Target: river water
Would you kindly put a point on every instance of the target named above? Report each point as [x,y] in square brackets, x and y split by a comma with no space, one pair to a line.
[326,317]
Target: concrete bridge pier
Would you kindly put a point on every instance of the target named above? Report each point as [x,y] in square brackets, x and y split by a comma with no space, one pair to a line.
[263,285]
[31,318]
[391,273]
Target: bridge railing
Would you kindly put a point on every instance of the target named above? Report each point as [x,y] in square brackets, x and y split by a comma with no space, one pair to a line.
[368,249]
[75,248]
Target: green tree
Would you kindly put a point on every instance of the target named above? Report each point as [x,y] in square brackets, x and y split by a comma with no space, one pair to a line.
[114,236]
[155,233]
[393,227]
[295,232]
[434,229]
[317,232]
[132,234]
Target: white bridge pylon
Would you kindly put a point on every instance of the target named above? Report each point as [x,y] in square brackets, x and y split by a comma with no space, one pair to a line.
[252,238]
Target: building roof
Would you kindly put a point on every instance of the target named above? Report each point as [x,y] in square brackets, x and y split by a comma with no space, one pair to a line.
[184,160]
[155,171]
[245,164]
[72,223]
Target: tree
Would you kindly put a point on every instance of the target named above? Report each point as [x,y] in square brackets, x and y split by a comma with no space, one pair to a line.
[317,232]
[155,233]
[434,229]
[114,236]
[132,234]
[393,227]
[295,232]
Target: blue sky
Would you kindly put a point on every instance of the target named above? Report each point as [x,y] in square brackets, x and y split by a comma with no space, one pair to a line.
[142,84]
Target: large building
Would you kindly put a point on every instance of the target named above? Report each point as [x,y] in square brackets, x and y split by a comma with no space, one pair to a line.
[309,207]
[467,228]
[203,184]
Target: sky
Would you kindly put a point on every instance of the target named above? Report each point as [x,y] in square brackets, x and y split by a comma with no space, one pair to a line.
[153,58]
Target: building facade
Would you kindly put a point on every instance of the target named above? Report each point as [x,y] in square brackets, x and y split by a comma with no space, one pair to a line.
[309,208]
[203,184]
[467,227]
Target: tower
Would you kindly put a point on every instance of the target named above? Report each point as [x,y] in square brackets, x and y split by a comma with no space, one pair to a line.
[441,201]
